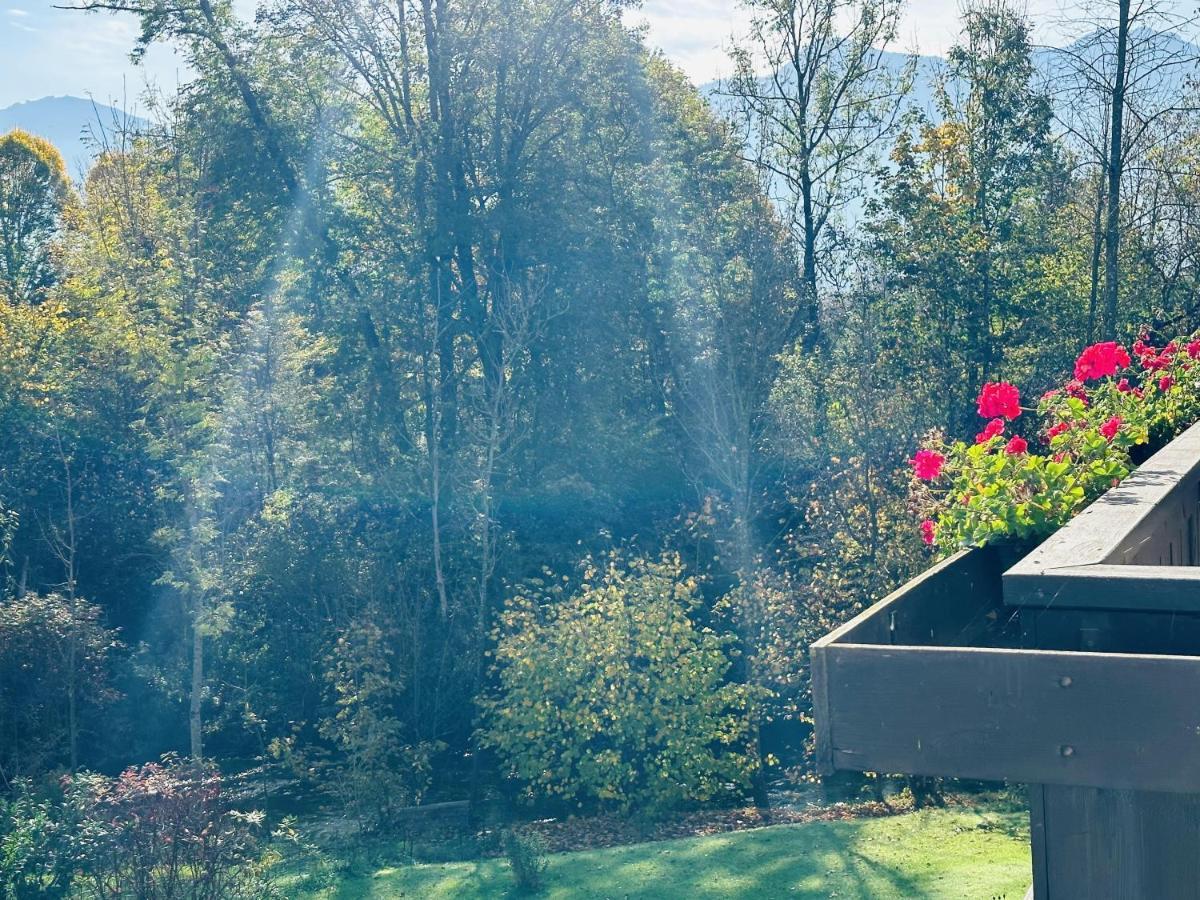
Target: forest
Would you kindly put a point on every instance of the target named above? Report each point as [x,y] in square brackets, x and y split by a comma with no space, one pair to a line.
[446,400]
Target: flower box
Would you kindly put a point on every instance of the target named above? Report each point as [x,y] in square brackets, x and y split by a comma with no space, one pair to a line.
[1077,670]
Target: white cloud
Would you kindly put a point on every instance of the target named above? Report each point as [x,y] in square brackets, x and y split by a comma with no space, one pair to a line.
[697,34]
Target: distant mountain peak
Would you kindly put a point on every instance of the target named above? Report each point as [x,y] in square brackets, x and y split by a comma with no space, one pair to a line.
[70,123]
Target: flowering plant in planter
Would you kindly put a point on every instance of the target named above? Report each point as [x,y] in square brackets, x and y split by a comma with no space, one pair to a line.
[1018,481]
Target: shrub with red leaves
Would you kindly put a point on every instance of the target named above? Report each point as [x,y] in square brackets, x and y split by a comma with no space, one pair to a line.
[163,832]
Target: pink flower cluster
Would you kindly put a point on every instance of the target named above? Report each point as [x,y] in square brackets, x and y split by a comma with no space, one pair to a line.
[927,464]
[1000,399]
[1100,361]
[999,405]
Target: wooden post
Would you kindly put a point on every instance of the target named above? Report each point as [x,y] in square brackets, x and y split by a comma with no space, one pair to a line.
[1098,844]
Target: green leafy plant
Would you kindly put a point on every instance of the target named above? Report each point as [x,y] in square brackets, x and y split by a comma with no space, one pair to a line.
[612,693]
[527,858]
[35,846]
[165,831]
[367,763]
[1090,431]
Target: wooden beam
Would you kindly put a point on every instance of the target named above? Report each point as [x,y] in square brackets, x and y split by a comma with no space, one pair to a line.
[1134,548]
[1034,716]
[1105,586]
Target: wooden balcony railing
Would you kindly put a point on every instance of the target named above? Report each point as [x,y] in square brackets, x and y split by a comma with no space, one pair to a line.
[1077,671]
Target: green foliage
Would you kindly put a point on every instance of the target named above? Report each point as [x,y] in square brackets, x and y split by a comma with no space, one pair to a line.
[526,858]
[36,846]
[387,315]
[54,655]
[35,192]
[374,771]
[163,830]
[970,217]
[610,692]
[994,495]
[996,489]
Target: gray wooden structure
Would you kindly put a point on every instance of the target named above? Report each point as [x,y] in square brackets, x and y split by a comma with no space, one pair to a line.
[1076,671]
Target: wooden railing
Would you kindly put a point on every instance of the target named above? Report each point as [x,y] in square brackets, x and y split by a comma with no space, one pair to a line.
[1135,548]
[1076,671]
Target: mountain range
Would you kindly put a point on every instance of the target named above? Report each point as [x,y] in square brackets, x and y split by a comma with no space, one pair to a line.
[77,127]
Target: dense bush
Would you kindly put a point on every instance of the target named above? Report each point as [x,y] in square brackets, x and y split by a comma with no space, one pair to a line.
[612,693]
[375,769]
[54,678]
[156,832]
[36,853]
[526,858]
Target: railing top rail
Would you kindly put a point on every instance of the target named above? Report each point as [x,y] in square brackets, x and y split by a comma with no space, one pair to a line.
[1085,563]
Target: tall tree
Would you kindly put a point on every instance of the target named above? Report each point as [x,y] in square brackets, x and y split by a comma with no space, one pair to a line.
[34,194]
[831,96]
[1115,88]
[968,208]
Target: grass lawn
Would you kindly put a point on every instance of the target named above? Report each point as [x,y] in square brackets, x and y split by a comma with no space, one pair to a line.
[932,853]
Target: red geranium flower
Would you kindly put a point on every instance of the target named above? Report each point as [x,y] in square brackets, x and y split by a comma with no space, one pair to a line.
[1123,386]
[1165,383]
[1100,361]
[1055,430]
[927,531]
[999,398]
[995,428]
[927,464]
[1193,349]
[1153,363]
[1110,428]
[1016,445]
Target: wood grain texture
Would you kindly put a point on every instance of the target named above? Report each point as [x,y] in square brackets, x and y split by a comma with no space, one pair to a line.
[1091,719]
[1136,547]
[1107,586]
[1117,845]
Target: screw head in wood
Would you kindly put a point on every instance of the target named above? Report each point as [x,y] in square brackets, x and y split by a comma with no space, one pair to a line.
[1064,681]
[1066,750]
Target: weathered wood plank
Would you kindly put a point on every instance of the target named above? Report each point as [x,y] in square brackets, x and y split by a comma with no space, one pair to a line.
[822,717]
[1117,721]
[1111,631]
[948,603]
[1106,586]
[1131,549]
[1118,845]
[1119,520]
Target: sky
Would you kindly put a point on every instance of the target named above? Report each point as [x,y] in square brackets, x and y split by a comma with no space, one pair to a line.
[46,51]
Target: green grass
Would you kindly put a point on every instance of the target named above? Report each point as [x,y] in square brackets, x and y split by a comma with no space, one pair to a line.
[933,853]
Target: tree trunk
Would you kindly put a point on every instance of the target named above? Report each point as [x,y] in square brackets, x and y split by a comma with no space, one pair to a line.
[810,302]
[1097,249]
[1112,229]
[196,725]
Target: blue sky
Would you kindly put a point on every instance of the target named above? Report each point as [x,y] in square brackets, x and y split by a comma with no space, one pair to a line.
[47,51]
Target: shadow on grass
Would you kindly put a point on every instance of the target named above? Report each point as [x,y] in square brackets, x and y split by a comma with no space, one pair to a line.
[943,854]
